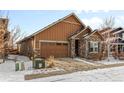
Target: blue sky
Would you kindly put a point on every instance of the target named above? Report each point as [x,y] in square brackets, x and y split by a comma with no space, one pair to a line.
[31,21]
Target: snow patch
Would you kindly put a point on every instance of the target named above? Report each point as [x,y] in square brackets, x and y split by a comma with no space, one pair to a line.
[44,71]
[111,61]
[78,59]
[98,75]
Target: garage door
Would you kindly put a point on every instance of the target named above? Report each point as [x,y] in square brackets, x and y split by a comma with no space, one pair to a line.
[53,49]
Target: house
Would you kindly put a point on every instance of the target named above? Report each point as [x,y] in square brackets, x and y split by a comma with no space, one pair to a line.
[88,44]
[119,41]
[4,35]
[67,37]
[114,41]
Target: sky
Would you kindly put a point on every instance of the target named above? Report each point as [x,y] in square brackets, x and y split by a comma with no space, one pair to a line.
[31,21]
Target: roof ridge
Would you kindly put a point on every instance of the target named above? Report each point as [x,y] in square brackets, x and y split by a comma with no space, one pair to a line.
[53,23]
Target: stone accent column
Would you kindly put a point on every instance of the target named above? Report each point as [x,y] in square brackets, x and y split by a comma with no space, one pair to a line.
[81,48]
[86,47]
[72,48]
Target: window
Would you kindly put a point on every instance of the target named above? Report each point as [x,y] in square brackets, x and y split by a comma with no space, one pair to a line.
[122,48]
[122,36]
[58,43]
[65,44]
[93,46]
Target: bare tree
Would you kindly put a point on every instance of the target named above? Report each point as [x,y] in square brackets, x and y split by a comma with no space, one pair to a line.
[108,23]
[4,37]
[15,35]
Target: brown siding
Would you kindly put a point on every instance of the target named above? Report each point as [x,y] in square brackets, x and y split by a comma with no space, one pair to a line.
[58,32]
[26,47]
[72,19]
[54,49]
[87,31]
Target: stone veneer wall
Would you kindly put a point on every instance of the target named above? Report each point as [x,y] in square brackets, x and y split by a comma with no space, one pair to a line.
[72,41]
[84,49]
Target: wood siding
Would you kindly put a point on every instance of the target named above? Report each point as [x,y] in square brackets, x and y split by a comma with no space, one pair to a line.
[57,32]
[85,32]
[72,19]
[56,49]
[27,47]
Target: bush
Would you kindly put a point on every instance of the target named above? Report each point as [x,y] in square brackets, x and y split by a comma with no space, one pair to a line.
[51,62]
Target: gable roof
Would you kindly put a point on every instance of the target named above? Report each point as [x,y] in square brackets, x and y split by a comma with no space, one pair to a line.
[52,24]
[81,32]
[87,36]
[105,30]
[117,30]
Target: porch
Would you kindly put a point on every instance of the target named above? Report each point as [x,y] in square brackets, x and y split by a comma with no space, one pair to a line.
[88,49]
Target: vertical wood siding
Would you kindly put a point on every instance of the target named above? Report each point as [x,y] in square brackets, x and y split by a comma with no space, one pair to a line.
[26,47]
[72,19]
[58,32]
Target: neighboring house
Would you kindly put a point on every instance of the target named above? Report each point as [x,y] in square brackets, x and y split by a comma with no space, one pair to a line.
[4,35]
[67,37]
[119,42]
[114,41]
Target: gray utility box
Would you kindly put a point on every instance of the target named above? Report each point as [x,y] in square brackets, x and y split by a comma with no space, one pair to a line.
[19,66]
[39,63]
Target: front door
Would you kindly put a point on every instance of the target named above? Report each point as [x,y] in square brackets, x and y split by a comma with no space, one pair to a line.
[77,47]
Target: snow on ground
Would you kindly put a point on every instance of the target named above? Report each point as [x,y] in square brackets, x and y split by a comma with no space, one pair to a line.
[80,60]
[111,60]
[98,75]
[8,73]
[7,69]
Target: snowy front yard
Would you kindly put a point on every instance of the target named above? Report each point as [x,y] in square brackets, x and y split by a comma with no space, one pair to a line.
[98,75]
[8,73]
[7,69]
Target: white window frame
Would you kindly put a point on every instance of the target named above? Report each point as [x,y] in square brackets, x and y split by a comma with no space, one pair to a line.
[122,48]
[122,36]
[92,45]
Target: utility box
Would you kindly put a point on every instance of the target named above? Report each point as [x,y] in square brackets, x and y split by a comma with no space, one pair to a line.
[16,66]
[39,63]
[19,66]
